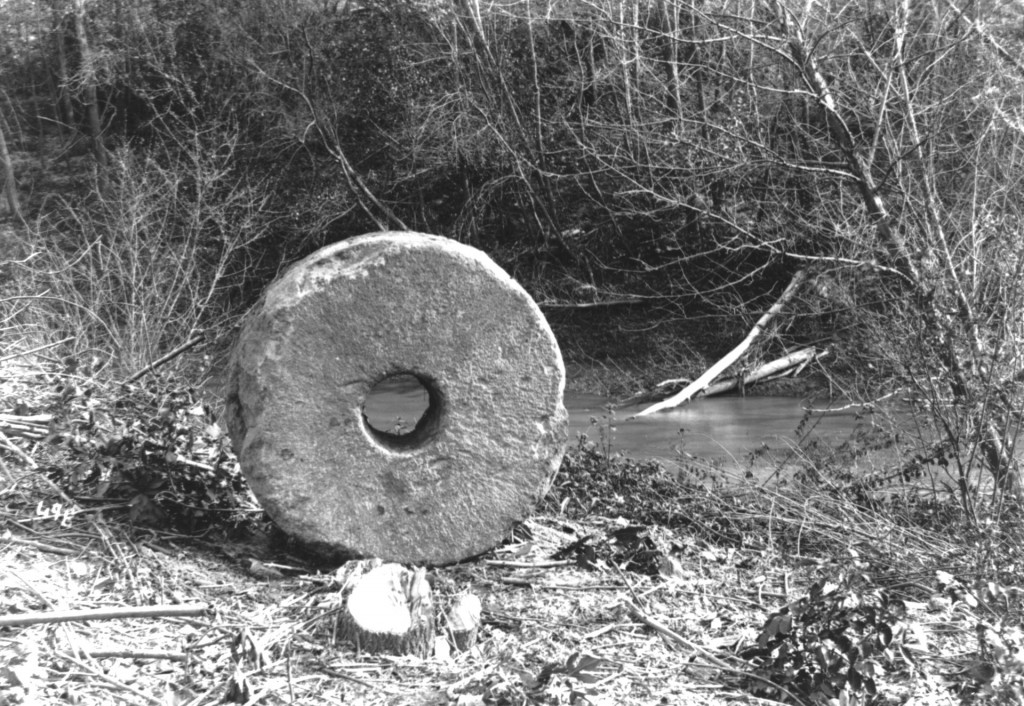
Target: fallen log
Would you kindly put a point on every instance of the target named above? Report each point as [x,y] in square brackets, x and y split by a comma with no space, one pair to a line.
[702,382]
[791,363]
[787,365]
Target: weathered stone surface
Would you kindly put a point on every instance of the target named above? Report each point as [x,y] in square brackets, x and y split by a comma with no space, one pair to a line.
[378,305]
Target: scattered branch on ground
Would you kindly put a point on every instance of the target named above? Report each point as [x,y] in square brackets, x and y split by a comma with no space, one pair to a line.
[164,611]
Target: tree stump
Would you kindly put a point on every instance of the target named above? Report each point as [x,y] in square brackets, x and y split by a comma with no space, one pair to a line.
[389,610]
[464,621]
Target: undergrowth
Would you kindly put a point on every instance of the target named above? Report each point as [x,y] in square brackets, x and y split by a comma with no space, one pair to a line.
[145,261]
[153,452]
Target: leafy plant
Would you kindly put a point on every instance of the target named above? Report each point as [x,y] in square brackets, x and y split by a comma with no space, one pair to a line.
[998,675]
[590,482]
[996,672]
[157,450]
[833,643]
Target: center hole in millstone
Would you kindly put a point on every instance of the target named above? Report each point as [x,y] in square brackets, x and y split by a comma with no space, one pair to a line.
[402,412]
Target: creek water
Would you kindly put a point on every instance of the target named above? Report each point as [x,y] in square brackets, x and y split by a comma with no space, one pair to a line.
[725,430]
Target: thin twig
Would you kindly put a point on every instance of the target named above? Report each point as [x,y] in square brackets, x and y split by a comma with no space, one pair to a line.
[355,680]
[64,616]
[136,654]
[529,564]
[591,305]
[30,351]
[31,588]
[170,356]
[650,622]
[43,547]
[6,443]
[516,581]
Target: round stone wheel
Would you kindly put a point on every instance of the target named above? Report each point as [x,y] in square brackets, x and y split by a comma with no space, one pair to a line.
[371,308]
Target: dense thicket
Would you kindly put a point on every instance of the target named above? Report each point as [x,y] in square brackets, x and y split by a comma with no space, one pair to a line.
[687,154]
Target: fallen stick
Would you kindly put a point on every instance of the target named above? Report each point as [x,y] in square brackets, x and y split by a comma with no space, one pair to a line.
[136,654]
[67,616]
[9,445]
[26,431]
[38,419]
[637,614]
[34,428]
[529,564]
[43,547]
[516,581]
[170,356]
[43,347]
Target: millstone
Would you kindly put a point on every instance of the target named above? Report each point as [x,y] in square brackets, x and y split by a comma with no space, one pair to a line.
[373,307]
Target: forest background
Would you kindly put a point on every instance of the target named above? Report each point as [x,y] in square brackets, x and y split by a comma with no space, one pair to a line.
[657,173]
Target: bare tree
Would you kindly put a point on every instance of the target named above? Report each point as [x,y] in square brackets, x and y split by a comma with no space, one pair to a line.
[10,185]
[65,112]
[87,72]
[875,148]
[934,242]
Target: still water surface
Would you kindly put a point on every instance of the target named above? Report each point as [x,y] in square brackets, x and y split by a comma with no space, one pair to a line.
[724,429]
[727,429]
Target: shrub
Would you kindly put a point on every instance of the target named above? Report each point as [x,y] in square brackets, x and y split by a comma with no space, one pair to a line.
[831,644]
[145,260]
